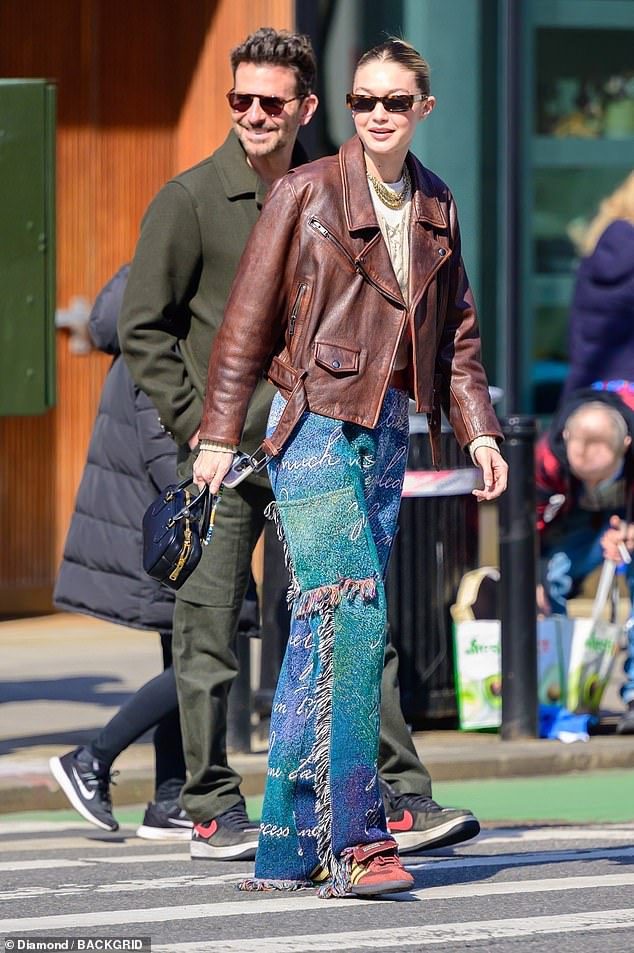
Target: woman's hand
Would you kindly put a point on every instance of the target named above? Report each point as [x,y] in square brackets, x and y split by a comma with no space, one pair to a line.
[494,473]
[211,467]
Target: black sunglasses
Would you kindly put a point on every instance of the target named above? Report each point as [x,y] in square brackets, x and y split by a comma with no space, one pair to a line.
[271,105]
[399,103]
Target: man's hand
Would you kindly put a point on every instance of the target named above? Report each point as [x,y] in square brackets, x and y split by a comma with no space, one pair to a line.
[494,473]
[618,541]
[211,467]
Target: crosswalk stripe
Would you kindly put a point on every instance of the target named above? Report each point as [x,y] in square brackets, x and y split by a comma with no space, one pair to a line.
[280,903]
[396,937]
[528,835]
[522,859]
[441,863]
[34,891]
[45,862]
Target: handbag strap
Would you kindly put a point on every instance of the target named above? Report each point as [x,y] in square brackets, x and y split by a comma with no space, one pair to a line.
[207,515]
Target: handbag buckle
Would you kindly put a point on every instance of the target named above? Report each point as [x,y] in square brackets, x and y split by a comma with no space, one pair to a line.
[258,463]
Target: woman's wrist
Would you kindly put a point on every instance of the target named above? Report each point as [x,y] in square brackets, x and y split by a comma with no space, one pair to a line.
[216,446]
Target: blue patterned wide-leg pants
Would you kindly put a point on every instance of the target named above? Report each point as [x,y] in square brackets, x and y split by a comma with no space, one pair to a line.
[338,488]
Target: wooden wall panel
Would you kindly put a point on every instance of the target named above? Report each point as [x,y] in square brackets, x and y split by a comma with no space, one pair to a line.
[205,115]
[140,96]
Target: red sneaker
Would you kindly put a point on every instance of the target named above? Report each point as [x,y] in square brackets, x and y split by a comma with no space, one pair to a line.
[377,869]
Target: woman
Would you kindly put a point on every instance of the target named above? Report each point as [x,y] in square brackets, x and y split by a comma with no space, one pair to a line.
[352,294]
[130,459]
[601,326]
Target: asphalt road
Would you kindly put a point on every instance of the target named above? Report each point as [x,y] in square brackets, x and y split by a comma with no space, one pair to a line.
[568,889]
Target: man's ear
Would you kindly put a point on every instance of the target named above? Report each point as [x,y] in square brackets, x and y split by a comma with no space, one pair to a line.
[627,443]
[309,106]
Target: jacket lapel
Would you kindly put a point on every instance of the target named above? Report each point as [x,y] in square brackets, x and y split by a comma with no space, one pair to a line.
[360,217]
[426,253]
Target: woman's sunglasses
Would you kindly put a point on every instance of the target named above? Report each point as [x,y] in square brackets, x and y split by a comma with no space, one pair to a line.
[271,105]
[400,103]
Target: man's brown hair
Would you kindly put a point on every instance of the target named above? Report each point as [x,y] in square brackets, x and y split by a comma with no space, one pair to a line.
[280,48]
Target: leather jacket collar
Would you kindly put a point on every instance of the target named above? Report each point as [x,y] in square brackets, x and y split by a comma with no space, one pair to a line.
[358,205]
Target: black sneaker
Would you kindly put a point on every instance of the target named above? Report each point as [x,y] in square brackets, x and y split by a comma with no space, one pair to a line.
[417,822]
[625,725]
[165,820]
[229,836]
[86,783]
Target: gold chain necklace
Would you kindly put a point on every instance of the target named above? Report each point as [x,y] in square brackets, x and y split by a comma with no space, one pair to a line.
[391,197]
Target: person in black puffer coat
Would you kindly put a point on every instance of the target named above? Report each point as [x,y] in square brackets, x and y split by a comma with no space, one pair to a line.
[130,460]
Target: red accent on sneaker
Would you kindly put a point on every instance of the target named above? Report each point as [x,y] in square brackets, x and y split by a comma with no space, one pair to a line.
[206,831]
[363,852]
[378,872]
[406,823]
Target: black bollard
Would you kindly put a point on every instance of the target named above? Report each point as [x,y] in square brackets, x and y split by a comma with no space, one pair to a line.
[518,578]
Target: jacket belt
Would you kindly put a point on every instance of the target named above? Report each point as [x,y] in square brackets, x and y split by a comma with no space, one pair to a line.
[296,405]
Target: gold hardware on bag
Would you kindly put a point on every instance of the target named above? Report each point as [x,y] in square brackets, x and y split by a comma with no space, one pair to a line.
[187,544]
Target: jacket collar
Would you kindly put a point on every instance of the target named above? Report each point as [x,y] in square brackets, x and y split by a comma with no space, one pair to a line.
[360,215]
[238,179]
[356,196]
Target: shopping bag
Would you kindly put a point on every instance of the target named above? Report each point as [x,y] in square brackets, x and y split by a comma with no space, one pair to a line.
[478,670]
[574,656]
[589,647]
[476,636]
[478,677]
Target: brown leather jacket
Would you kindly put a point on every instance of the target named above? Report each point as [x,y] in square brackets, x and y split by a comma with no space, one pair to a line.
[317,307]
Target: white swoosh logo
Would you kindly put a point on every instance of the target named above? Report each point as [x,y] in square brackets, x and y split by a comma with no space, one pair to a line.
[180,823]
[83,790]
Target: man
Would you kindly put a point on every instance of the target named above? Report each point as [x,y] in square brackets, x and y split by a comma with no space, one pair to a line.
[191,240]
[585,495]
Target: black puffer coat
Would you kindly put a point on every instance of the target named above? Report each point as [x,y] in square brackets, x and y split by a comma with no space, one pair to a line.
[130,460]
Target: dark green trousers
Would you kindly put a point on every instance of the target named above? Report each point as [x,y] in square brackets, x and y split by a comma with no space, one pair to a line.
[205,623]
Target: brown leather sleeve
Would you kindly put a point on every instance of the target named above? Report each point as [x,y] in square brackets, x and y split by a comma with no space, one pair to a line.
[464,389]
[254,318]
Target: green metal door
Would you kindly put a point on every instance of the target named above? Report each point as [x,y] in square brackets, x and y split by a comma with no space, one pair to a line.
[27,246]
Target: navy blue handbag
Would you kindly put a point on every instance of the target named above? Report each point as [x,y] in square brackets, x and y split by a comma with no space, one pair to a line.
[174,527]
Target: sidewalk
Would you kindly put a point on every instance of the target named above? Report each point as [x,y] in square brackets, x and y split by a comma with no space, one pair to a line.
[64,676]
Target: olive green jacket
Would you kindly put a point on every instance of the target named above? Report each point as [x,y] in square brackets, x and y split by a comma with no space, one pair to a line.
[191,240]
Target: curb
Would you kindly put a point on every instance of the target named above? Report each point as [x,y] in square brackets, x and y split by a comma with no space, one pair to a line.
[28,786]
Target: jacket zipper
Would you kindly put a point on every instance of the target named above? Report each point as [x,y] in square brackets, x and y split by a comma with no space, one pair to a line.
[318,227]
[355,262]
[301,291]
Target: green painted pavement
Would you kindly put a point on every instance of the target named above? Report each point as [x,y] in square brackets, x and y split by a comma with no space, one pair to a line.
[580,797]
[597,797]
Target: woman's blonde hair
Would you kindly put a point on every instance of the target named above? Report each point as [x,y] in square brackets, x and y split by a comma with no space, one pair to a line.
[618,205]
[403,53]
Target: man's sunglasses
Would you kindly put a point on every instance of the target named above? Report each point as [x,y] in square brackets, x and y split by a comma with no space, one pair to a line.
[399,103]
[271,105]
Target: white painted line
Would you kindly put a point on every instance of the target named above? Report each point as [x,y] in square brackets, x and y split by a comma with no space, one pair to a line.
[442,863]
[276,903]
[34,892]
[528,835]
[15,865]
[396,937]
[47,863]
[522,859]
[85,842]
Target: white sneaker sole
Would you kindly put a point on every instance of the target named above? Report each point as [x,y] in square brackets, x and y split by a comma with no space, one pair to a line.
[455,831]
[199,851]
[64,782]
[164,833]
